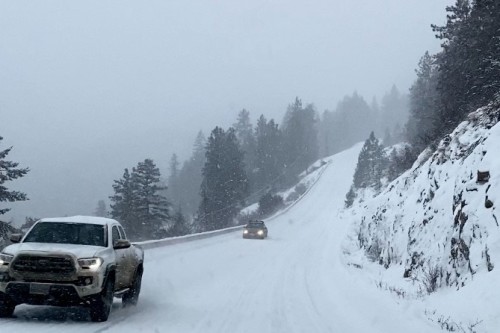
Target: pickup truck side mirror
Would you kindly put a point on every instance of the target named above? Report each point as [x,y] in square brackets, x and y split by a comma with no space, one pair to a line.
[121,244]
[16,238]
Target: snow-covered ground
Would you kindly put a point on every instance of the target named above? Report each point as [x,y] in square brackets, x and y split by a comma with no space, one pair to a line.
[436,229]
[297,280]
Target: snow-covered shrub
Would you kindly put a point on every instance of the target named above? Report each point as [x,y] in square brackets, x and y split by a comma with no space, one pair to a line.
[270,203]
[432,275]
[374,250]
[298,191]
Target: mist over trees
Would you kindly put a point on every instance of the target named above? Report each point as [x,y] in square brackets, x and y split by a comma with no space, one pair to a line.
[353,120]
[249,163]
[184,183]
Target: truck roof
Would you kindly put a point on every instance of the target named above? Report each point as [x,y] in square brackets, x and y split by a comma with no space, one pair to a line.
[81,219]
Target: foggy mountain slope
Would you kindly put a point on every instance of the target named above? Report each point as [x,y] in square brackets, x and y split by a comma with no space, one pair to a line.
[437,226]
[294,281]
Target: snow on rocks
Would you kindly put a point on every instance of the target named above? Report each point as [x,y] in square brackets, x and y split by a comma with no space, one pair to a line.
[438,223]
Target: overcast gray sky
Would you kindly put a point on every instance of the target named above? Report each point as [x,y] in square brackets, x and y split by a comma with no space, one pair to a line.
[88,88]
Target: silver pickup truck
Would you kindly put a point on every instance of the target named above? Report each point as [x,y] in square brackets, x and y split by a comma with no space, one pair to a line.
[67,261]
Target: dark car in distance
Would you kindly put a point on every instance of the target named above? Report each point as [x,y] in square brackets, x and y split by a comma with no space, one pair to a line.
[255,229]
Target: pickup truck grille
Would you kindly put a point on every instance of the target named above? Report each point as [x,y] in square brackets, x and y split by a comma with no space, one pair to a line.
[41,264]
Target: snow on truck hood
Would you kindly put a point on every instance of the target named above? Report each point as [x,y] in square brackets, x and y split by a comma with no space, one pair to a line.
[79,251]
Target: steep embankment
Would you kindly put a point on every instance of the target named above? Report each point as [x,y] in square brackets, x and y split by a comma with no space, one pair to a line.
[438,224]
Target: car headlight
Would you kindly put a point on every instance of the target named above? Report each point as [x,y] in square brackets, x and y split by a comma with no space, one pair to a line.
[90,263]
[245,231]
[5,259]
[260,232]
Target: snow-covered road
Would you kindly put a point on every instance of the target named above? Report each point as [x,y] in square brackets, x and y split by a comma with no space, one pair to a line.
[295,281]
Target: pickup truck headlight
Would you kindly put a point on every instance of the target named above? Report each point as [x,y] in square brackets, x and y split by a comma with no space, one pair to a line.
[245,231]
[260,232]
[5,259]
[90,263]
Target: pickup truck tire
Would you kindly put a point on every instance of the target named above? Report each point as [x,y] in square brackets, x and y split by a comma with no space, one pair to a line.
[100,306]
[131,297]
[7,306]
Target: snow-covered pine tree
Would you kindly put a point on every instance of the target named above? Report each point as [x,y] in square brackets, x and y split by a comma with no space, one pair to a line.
[225,185]
[469,64]
[152,208]
[180,226]
[9,171]
[423,123]
[123,205]
[244,133]
[300,138]
[268,154]
[187,196]
[101,210]
[173,183]
[369,169]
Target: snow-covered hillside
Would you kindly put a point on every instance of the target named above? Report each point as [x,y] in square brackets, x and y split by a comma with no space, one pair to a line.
[437,225]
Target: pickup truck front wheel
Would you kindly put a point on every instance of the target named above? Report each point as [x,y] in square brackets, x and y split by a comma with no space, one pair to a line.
[100,306]
[131,297]
[7,306]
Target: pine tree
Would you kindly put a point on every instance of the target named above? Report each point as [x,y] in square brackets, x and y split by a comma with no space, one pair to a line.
[101,209]
[300,138]
[9,171]
[400,161]
[469,64]
[393,110]
[187,195]
[173,181]
[5,231]
[123,205]
[225,185]
[388,140]
[174,167]
[180,226]
[28,223]
[152,208]
[369,169]
[268,155]
[422,125]
[246,139]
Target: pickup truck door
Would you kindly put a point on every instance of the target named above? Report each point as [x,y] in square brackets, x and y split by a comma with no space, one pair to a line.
[121,257]
[131,261]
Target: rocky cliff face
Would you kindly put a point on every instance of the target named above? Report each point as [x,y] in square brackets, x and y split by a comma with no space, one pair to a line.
[441,218]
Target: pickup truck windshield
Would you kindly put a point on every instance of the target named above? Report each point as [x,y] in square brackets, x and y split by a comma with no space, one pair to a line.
[67,233]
